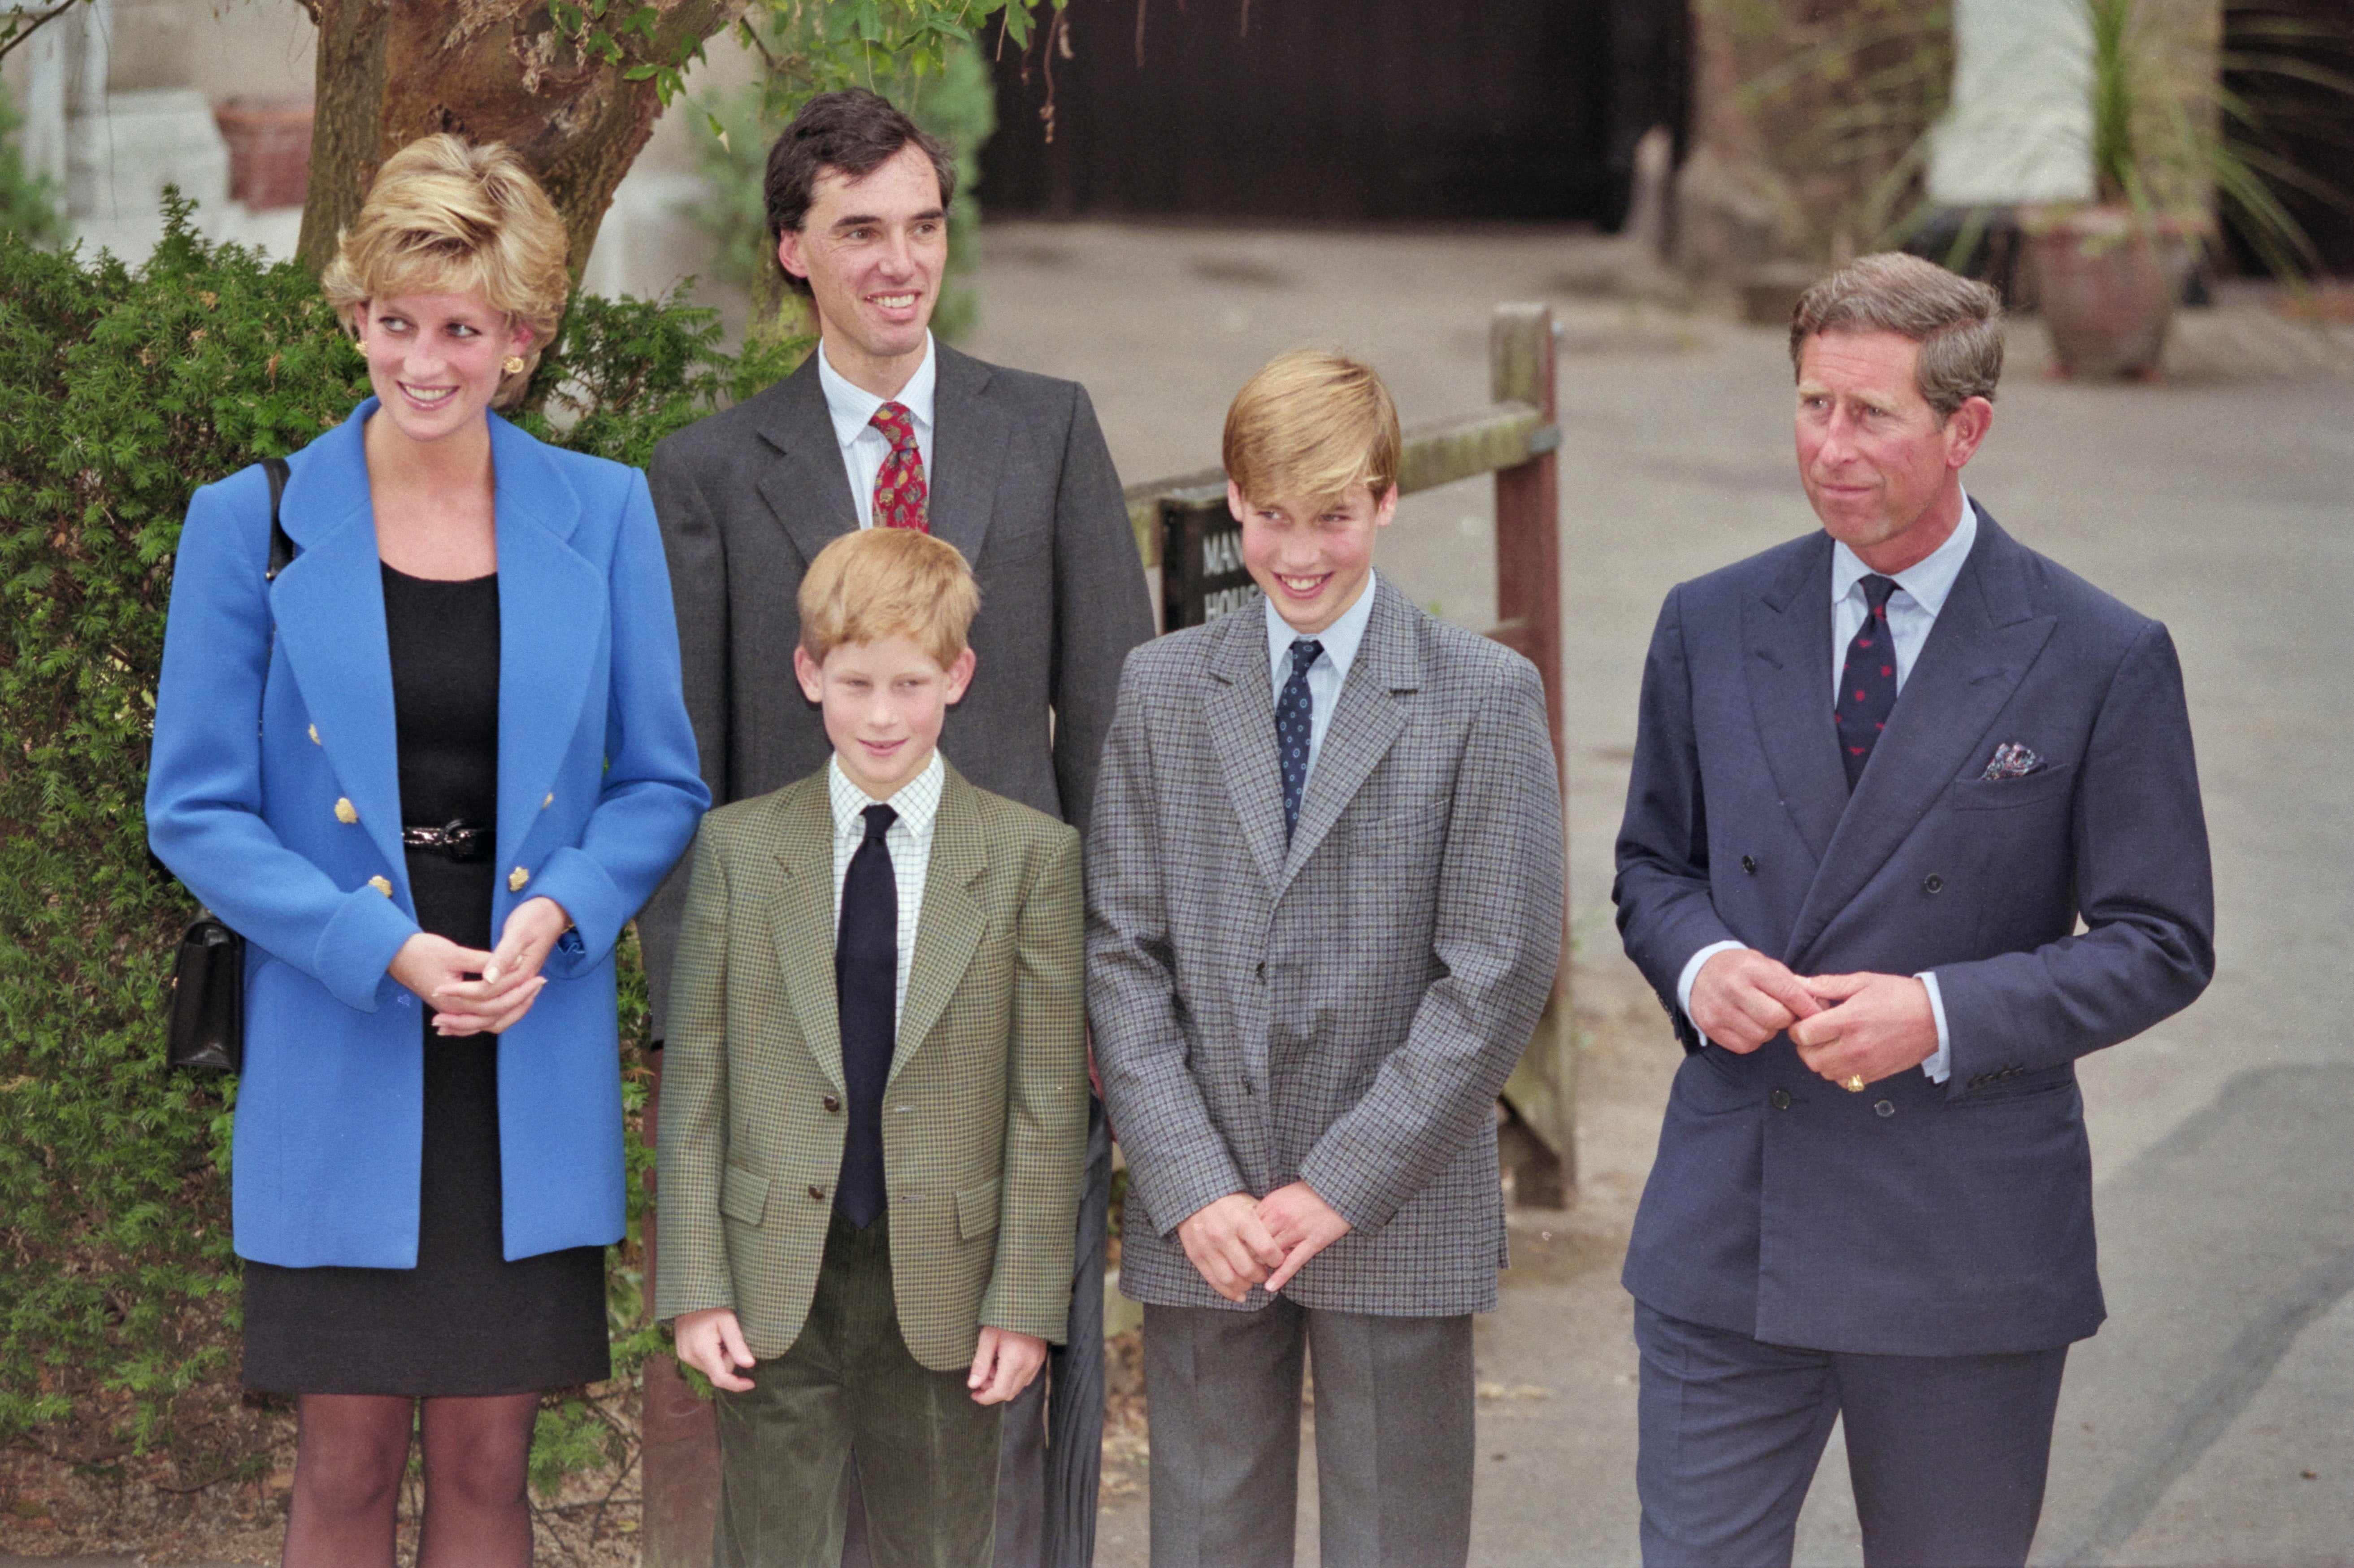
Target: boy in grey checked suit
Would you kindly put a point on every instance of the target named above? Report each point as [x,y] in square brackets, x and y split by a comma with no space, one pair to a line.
[1324,891]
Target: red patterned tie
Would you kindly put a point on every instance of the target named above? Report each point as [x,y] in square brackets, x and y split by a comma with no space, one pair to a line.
[1867,681]
[901,496]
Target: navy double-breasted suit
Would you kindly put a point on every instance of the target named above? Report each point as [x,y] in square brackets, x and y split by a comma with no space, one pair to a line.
[2061,911]
[274,795]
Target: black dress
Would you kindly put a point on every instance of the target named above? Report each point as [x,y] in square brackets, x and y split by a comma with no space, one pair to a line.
[464,1321]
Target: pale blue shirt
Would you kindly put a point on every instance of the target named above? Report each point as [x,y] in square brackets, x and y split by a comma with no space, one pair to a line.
[864,447]
[1330,671]
[1921,592]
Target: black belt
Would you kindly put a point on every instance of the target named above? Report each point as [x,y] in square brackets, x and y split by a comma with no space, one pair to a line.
[458,841]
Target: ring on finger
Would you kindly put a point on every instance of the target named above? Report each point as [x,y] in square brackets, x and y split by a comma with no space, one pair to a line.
[1852,1083]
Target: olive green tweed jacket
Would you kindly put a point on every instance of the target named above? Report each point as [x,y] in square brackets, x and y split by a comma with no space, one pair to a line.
[984,1120]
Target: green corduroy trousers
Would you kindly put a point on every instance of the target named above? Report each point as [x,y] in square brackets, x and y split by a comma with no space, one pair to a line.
[849,1391]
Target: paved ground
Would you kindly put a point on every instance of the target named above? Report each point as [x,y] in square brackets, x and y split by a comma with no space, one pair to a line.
[2207,1423]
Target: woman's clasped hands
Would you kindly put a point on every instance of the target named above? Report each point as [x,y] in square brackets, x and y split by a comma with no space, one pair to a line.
[475,992]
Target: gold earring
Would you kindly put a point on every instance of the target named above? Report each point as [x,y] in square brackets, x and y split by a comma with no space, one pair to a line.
[512,364]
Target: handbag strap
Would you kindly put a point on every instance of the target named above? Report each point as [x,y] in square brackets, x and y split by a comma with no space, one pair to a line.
[281,548]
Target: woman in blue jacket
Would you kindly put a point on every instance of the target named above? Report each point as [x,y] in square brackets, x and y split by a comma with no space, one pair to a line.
[429,771]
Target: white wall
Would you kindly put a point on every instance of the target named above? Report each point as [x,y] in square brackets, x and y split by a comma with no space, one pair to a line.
[2020,126]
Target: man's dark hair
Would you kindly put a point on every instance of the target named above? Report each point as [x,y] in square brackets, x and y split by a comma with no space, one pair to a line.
[853,132]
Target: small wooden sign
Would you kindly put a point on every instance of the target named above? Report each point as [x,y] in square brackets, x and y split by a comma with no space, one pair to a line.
[1202,572]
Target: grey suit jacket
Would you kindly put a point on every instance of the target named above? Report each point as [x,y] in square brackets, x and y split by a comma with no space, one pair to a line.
[1343,1009]
[1020,482]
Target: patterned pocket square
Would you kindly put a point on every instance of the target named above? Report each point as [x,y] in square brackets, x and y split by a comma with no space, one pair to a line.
[2011,761]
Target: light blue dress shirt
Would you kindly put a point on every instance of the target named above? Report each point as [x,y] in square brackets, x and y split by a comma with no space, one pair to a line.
[1921,592]
[1330,671]
[863,447]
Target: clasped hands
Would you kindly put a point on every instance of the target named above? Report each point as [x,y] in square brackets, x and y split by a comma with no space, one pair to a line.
[1238,1242]
[474,992]
[712,1343]
[1867,1026]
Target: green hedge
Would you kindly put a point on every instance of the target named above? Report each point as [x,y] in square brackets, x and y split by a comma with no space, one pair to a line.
[121,389]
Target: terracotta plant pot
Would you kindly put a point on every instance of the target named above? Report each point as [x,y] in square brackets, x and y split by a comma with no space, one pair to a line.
[2106,279]
[269,148]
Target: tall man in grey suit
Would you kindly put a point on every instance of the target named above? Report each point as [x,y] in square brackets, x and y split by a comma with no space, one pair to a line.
[882,427]
[1882,775]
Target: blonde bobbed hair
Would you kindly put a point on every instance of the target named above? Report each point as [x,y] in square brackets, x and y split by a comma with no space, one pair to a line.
[444,216]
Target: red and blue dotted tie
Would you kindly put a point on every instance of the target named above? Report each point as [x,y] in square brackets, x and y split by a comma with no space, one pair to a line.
[1867,681]
[902,499]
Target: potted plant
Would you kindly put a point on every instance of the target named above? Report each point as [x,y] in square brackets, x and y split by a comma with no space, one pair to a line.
[2107,272]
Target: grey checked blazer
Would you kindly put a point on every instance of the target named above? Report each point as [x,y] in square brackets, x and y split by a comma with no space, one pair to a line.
[1342,1012]
[985,1119]
[1020,482]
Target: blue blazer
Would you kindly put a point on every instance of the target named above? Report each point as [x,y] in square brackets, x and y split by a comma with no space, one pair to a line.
[598,792]
[1915,1218]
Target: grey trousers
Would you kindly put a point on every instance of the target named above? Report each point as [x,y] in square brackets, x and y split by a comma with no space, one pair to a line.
[1394,1444]
[1947,1453]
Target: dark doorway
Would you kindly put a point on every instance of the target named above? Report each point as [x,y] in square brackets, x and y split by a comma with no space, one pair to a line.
[1336,110]
[2286,54]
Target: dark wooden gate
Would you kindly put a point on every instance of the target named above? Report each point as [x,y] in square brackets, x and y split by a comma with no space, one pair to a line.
[1336,110]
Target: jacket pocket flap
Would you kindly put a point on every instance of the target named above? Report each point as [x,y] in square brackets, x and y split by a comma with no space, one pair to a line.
[743,1196]
[977,1207]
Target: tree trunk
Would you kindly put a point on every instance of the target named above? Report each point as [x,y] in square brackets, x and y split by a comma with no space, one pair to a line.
[491,70]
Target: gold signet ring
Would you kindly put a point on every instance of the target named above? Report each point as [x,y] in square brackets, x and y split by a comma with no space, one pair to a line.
[1852,1083]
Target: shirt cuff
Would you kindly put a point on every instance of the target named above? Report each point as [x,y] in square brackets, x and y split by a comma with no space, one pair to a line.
[1692,973]
[1941,1066]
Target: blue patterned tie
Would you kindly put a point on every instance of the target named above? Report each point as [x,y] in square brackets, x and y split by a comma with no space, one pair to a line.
[1293,716]
[1867,681]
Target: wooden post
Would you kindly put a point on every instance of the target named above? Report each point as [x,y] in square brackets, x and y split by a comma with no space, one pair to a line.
[1542,1092]
[678,1436]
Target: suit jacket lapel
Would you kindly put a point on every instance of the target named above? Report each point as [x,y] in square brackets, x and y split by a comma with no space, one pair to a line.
[801,915]
[1366,721]
[968,451]
[1785,639]
[1240,710]
[1981,647]
[329,607]
[553,610]
[808,488]
[948,933]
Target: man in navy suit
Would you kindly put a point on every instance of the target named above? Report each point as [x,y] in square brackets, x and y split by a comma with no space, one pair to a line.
[1883,774]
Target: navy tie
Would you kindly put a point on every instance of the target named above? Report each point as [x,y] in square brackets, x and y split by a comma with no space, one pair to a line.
[866,989]
[1867,681]
[1294,718]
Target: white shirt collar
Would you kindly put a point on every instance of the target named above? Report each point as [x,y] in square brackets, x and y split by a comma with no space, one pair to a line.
[917,801]
[1341,639]
[853,407]
[1928,580]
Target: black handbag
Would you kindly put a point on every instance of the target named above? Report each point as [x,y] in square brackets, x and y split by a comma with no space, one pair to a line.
[208,998]
[207,1028]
